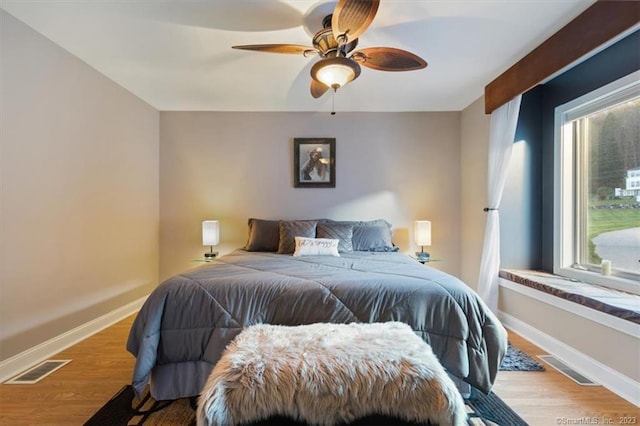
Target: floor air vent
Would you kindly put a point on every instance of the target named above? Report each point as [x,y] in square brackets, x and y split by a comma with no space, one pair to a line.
[567,371]
[39,372]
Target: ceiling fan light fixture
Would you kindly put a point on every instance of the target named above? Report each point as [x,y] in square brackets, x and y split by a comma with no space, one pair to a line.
[335,72]
[335,44]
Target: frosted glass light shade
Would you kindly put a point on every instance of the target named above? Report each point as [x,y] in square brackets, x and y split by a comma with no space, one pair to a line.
[422,232]
[335,72]
[210,233]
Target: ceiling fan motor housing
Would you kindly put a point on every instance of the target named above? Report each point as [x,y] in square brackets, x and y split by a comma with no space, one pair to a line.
[327,45]
[326,22]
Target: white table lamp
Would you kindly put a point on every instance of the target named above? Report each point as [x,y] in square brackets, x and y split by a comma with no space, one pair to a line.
[210,237]
[422,236]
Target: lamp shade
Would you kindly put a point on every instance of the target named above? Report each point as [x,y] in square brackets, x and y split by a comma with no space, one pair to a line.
[335,72]
[422,232]
[210,233]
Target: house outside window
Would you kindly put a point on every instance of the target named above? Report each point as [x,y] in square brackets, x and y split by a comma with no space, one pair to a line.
[632,187]
[597,186]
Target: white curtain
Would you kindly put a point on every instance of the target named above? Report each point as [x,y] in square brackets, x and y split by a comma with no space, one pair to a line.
[502,134]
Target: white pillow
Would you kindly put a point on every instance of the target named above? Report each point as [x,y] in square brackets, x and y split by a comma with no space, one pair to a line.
[316,246]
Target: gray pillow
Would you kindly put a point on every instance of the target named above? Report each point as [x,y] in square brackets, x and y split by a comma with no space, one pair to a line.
[337,231]
[264,235]
[375,222]
[289,229]
[372,238]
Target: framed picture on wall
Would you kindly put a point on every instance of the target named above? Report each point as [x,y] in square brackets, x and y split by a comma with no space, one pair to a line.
[314,162]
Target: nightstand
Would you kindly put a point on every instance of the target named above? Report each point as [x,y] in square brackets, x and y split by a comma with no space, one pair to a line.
[203,260]
[212,256]
[426,261]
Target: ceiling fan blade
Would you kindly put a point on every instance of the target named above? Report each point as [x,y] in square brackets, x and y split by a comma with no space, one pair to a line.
[388,59]
[353,17]
[318,89]
[291,49]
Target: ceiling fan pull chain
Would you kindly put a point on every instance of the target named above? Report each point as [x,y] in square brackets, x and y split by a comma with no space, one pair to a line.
[333,102]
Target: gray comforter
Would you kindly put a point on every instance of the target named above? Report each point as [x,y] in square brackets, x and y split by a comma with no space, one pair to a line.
[186,323]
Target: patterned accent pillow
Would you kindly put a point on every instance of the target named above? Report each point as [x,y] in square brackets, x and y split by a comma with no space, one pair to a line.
[316,247]
[339,231]
[264,235]
[289,229]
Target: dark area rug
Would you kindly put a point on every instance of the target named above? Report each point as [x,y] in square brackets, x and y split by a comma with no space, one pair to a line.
[126,410]
[123,409]
[516,360]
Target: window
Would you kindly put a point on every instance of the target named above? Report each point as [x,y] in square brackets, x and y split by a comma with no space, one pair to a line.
[597,193]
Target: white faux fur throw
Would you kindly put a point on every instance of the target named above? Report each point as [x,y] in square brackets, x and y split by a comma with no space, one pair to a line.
[326,374]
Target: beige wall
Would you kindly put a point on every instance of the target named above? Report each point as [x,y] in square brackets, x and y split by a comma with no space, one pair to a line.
[232,166]
[610,347]
[79,194]
[474,144]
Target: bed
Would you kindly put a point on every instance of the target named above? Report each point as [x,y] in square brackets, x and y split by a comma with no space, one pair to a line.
[184,326]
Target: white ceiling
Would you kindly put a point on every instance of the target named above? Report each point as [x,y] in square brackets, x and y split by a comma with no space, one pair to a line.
[176,54]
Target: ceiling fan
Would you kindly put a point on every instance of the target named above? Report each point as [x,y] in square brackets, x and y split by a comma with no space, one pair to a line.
[335,44]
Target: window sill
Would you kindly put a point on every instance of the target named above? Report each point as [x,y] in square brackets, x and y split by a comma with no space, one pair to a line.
[619,310]
[595,278]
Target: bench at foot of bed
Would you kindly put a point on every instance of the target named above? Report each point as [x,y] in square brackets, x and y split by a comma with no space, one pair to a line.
[328,374]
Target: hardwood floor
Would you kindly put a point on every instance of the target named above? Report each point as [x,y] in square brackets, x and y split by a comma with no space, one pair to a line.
[101,366]
[551,398]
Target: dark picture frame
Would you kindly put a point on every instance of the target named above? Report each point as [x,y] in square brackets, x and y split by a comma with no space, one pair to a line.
[314,162]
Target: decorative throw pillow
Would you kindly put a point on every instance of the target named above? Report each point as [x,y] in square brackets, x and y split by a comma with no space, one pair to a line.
[372,238]
[316,247]
[375,222]
[294,228]
[264,235]
[339,231]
